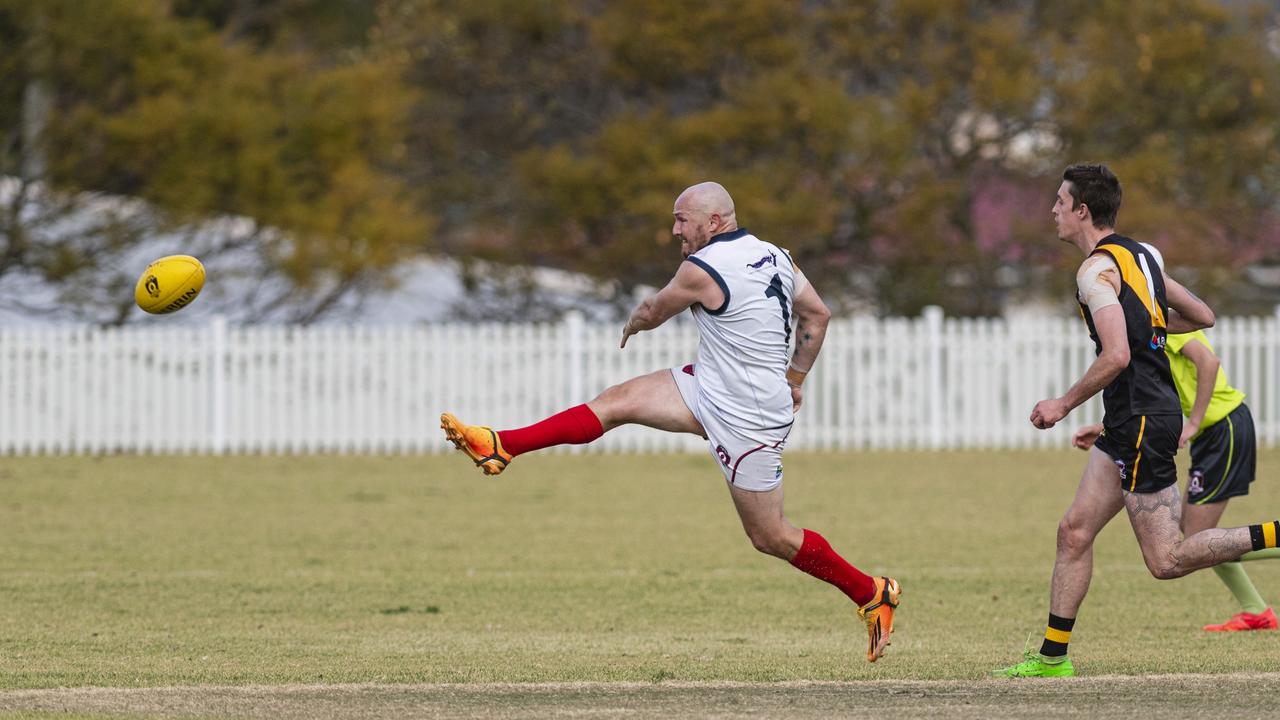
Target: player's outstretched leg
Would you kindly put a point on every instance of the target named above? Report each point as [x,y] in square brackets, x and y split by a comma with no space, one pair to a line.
[652,400]
[479,442]
[492,450]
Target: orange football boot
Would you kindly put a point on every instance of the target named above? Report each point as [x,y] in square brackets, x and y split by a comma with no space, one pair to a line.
[1247,621]
[878,615]
[480,443]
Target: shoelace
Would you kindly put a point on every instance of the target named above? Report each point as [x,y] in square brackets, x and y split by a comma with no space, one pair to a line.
[1027,652]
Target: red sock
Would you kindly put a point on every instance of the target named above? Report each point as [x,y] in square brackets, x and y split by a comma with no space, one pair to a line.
[818,559]
[574,426]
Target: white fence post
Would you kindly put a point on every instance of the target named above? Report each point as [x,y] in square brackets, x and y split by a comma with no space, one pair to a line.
[217,385]
[1271,413]
[574,347]
[894,383]
[933,388]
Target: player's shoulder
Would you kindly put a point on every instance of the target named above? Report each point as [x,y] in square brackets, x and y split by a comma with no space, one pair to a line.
[742,252]
[730,241]
[1098,261]
[739,246]
[1121,251]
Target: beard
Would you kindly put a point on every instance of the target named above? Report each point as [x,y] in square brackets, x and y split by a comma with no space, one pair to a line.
[689,245]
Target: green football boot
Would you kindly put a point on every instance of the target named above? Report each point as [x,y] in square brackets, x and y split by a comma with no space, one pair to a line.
[1034,665]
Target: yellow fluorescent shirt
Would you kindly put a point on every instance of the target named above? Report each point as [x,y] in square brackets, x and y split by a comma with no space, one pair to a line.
[1225,398]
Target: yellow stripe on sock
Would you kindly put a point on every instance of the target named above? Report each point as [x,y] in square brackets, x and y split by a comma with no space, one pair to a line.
[1269,534]
[1058,636]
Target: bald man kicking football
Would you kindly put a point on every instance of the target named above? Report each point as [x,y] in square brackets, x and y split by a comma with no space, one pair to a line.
[741,394]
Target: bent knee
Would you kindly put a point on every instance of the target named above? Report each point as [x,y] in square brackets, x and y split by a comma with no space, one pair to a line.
[614,405]
[769,543]
[1073,537]
[1165,570]
[612,395]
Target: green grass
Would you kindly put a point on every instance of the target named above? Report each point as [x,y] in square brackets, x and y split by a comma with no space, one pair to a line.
[154,571]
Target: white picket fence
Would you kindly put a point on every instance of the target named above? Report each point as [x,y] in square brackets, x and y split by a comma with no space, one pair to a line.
[899,383]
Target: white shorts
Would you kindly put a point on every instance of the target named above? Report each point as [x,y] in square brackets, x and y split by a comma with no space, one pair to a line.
[750,459]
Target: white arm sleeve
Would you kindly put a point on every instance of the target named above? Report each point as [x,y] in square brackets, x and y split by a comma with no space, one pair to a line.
[1094,282]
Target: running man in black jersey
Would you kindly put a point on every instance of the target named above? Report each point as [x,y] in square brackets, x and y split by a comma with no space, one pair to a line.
[1129,306]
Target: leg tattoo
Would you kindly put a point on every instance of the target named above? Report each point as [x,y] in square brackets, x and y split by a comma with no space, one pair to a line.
[1156,519]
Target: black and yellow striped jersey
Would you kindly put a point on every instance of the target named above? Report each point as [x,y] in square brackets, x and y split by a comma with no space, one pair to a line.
[1146,386]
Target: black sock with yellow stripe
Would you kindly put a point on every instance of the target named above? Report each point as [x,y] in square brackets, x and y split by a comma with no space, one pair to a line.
[1056,637]
[1264,535]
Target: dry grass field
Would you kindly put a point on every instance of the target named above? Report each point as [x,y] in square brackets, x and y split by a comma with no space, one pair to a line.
[596,586]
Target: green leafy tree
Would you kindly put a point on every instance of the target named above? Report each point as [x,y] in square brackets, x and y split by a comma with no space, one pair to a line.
[905,151]
[147,105]
[1182,98]
[866,169]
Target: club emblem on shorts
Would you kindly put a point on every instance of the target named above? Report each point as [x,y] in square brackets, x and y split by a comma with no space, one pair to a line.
[1196,483]
[1124,472]
[1158,341]
[777,474]
[723,455]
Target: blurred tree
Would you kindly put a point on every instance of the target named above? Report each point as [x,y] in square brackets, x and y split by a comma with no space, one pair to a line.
[151,106]
[1182,99]
[324,26]
[905,150]
[957,86]
[603,197]
[856,135]
[496,77]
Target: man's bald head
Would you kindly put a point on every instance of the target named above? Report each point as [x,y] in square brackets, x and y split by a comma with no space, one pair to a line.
[701,212]
[707,197]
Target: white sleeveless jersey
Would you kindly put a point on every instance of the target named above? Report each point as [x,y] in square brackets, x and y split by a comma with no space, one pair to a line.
[743,345]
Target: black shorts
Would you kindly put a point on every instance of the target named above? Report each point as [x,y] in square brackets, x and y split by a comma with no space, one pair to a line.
[1224,459]
[1143,447]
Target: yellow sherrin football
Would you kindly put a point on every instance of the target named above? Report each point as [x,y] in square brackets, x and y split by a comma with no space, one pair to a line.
[169,284]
